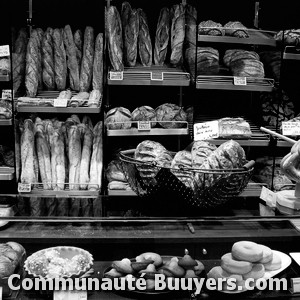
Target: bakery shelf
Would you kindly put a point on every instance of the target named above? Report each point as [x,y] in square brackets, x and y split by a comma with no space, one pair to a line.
[153,131]
[154,75]
[215,82]
[121,193]
[291,53]
[4,77]
[5,122]
[7,173]
[256,37]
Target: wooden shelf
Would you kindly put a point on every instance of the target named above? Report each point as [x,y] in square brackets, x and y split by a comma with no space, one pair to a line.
[121,193]
[6,173]
[69,110]
[5,122]
[5,77]
[153,131]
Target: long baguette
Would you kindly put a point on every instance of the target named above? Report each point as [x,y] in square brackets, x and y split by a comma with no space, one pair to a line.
[48,60]
[98,64]
[78,44]
[144,42]
[191,25]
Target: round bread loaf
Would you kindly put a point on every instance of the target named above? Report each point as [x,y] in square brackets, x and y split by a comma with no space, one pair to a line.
[114,172]
[150,151]
[170,112]
[118,114]
[200,151]
[210,27]
[144,113]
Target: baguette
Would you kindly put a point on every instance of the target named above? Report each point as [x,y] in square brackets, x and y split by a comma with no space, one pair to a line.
[78,44]
[60,60]
[98,64]
[39,37]
[191,25]
[72,62]
[86,70]
[162,37]
[48,60]
[177,34]
[144,42]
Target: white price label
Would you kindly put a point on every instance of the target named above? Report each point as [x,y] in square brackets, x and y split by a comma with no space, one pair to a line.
[6,94]
[206,131]
[239,80]
[4,50]
[144,126]
[295,285]
[70,295]
[24,187]
[60,102]
[157,76]
[116,75]
[291,128]
[268,196]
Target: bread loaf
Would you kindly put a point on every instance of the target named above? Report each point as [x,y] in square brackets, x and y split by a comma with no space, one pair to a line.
[144,113]
[125,16]
[60,60]
[78,44]
[114,172]
[200,151]
[272,63]
[170,112]
[19,59]
[191,25]
[94,99]
[210,27]
[177,34]
[144,41]
[72,61]
[236,29]
[117,115]
[98,64]
[247,68]
[113,27]
[32,65]
[86,120]
[48,60]
[232,55]
[234,128]
[67,94]
[162,37]
[39,37]
[86,70]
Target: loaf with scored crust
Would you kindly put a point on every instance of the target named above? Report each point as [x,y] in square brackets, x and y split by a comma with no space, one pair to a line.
[144,42]
[98,64]
[48,60]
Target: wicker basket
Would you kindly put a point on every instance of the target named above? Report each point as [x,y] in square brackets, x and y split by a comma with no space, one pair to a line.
[197,187]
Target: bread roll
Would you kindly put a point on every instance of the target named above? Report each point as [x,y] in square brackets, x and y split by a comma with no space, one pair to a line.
[60,60]
[162,37]
[170,112]
[118,114]
[144,113]
[86,70]
[144,42]
[177,34]
[72,61]
[48,60]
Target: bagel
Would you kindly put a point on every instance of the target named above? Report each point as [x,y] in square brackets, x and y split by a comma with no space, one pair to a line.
[247,251]
[274,264]
[229,264]
[258,271]
[267,254]
[157,260]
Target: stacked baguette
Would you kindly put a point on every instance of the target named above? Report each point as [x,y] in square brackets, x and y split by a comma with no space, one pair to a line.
[58,154]
[58,59]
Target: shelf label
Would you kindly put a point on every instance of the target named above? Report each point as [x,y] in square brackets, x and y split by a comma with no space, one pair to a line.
[206,131]
[239,80]
[157,76]
[6,94]
[24,187]
[291,128]
[116,75]
[144,125]
[268,196]
[295,285]
[60,102]
[70,295]
[4,50]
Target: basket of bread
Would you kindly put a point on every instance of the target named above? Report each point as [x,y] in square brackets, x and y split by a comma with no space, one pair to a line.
[204,175]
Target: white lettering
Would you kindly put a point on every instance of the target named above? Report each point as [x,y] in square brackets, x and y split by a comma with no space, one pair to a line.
[199,284]
[173,284]
[261,284]
[10,282]
[160,283]
[211,284]
[120,284]
[106,284]
[278,282]
[140,284]
[27,284]
[231,284]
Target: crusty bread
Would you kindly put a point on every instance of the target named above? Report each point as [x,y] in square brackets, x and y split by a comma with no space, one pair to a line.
[144,42]
[144,113]
[117,115]
[48,60]
[98,64]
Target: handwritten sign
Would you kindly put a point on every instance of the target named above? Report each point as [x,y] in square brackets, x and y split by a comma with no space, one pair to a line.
[157,76]
[70,295]
[116,75]
[268,196]
[291,128]
[239,80]
[60,102]
[24,187]
[4,50]
[144,126]
[6,94]
[206,131]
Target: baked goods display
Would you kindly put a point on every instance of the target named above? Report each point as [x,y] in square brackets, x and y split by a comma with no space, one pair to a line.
[57,153]
[235,128]
[170,112]
[210,27]
[150,263]
[118,118]
[236,29]
[5,109]
[144,113]
[288,37]
[7,156]
[12,256]
[246,260]
[272,63]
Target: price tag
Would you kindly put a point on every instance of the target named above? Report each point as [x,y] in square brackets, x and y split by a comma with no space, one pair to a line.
[268,196]
[239,80]
[144,126]
[295,285]
[157,76]
[6,94]
[24,187]
[291,128]
[70,295]
[206,131]
[115,75]
[4,50]
[60,102]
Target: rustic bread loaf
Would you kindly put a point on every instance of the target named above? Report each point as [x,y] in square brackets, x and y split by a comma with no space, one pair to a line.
[144,113]
[114,172]
[144,41]
[236,29]
[210,27]
[98,64]
[200,151]
[78,44]
[234,128]
[190,25]
[118,114]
